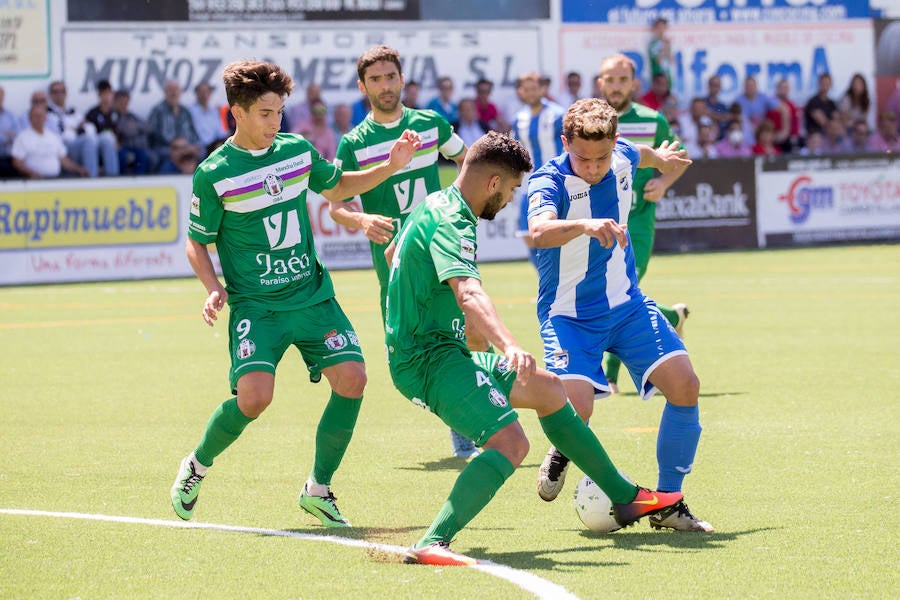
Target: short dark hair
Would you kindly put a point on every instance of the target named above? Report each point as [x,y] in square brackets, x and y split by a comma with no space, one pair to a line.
[247,80]
[377,54]
[499,150]
[104,86]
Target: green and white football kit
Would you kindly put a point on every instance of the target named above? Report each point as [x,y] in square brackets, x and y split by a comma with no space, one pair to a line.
[368,145]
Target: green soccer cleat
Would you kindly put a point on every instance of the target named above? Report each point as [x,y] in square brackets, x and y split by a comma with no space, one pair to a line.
[323,508]
[185,489]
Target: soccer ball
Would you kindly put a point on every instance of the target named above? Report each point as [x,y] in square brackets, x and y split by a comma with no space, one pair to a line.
[594,507]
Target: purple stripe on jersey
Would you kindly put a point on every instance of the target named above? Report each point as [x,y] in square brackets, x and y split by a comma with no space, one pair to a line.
[297,173]
[373,159]
[243,190]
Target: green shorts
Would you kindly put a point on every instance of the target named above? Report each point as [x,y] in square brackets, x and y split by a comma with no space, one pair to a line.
[258,338]
[469,393]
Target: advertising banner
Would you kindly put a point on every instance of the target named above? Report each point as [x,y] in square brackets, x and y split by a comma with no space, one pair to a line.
[142,59]
[643,12]
[817,200]
[711,207]
[771,52]
[25,39]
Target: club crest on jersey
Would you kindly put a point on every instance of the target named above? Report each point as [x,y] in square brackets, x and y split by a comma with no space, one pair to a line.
[273,184]
[466,249]
[195,205]
[561,359]
[335,340]
[497,397]
[246,349]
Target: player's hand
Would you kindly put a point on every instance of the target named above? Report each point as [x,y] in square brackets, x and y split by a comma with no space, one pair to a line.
[520,360]
[215,302]
[670,157]
[403,149]
[378,228]
[654,190]
[607,231]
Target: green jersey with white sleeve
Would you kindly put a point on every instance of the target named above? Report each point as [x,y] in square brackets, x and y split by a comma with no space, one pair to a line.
[251,204]
[368,144]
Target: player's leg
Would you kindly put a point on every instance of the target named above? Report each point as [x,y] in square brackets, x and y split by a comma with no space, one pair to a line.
[470,396]
[567,431]
[657,360]
[328,341]
[552,473]
[256,344]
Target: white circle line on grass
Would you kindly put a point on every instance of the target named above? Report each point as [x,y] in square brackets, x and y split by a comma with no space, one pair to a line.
[527,581]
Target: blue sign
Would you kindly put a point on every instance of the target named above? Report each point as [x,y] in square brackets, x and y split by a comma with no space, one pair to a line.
[700,12]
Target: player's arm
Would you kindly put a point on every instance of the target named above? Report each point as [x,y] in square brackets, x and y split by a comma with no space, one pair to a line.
[482,317]
[377,228]
[549,232]
[198,256]
[460,158]
[352,184]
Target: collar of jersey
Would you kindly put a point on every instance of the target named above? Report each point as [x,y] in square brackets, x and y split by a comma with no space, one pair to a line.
[392,124]
[456,192]
[260,152]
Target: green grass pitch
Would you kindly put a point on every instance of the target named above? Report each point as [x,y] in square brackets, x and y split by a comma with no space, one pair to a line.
[106,386]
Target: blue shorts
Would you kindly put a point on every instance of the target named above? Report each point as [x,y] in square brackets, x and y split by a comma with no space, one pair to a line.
[639,335]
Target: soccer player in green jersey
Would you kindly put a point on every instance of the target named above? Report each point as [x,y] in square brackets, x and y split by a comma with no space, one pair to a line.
[386,206]
[434,296]
[249,199]
[640,125]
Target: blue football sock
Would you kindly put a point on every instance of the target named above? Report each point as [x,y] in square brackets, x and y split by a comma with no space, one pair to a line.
[676,445]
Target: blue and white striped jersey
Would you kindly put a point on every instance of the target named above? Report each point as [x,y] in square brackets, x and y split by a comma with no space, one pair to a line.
[582,279]
[541,133]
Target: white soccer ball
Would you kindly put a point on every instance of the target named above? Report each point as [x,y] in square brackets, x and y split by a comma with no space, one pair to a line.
[594,507]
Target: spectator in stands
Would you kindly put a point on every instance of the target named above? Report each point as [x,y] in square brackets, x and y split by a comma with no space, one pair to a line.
[596,88]
[469,127]
[300,112]
[318,131]
[341,120]
[733,144]
[82,146]
[855,103]
[103,119]
[573,90]
[765,140]
[815,145]
[181,159]
[546,82]
[718,112]
[820,108]
[689,121]
[893,103]
[39,152]
[133,134]
[755,105]
[836,141]
[704,144]
[443,103]
[170,120]
[206,117]
[411,94]
[659,51]
[787,132]
[859,136]
[659,92]
[737,113]
[886,139]
[487,110]
[9,127]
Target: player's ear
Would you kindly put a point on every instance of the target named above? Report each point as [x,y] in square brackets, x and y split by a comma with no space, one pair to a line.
[362,88]
[494,183]
[565,143]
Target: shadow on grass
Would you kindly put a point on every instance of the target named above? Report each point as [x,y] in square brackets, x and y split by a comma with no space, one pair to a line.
[633,394]
[542,560]
[677,540]
[369,534]
[449,463]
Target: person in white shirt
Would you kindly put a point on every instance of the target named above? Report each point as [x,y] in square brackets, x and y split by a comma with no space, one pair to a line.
[207,120]
[82,143]
[39,153]
[568,96]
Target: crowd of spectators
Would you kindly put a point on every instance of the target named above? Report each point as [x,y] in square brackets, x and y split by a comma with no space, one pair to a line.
[54,138]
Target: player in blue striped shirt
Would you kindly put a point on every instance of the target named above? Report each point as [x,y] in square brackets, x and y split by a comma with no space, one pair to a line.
[589,301]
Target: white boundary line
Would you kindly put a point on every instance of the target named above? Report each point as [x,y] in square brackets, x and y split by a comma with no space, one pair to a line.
[529,582]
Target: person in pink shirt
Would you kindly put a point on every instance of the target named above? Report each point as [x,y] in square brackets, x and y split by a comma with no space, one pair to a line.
[318,131]
[733,144]
[886,139]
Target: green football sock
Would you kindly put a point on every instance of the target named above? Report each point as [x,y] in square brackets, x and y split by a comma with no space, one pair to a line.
[612,367]
[474,488]
[669,313]
[574,439]
[224,426]
[333,436]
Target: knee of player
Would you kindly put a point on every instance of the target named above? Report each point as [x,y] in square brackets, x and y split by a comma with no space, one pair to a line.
[253,404]
[350,380]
